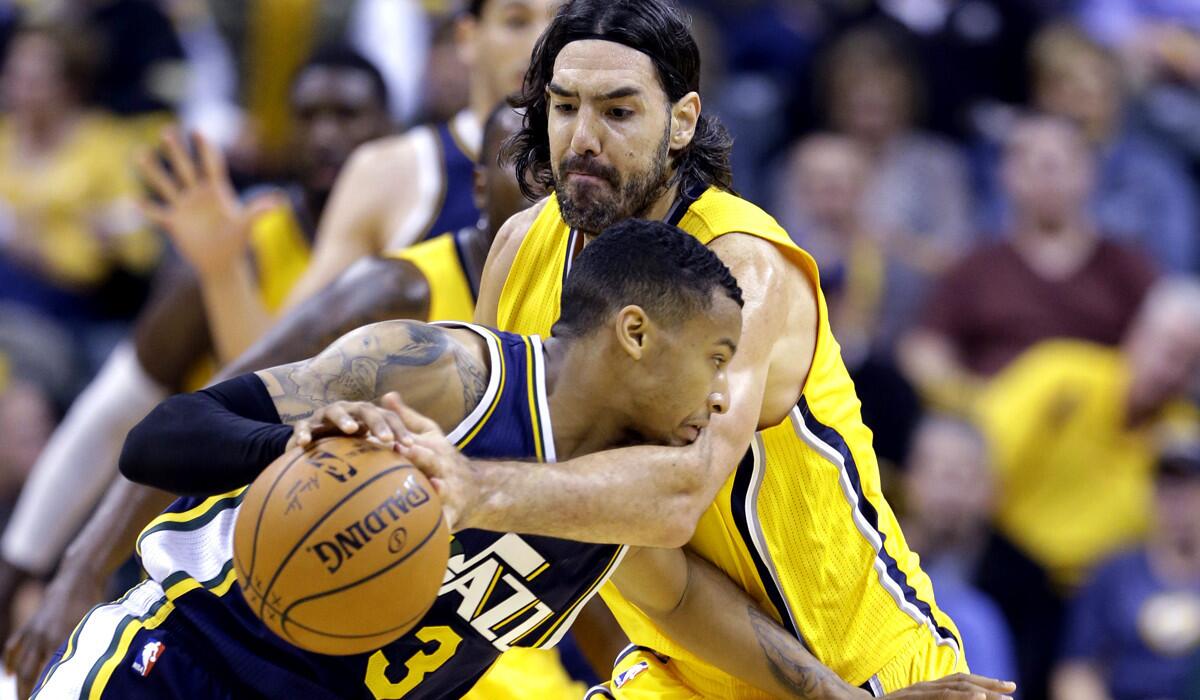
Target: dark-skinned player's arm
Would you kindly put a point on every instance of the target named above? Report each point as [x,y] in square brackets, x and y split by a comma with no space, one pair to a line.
[372,290]
[697,605]
[652,496]
[223,436]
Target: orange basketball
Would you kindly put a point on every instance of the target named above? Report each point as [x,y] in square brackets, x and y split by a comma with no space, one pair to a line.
[340,548]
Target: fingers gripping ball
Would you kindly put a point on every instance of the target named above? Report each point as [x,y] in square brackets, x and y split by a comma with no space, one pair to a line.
[340,548]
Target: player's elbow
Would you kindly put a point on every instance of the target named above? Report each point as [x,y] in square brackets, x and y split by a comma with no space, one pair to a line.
[679,517]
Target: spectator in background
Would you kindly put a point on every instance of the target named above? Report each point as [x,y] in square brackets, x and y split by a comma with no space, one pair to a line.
[1052,276]
[826,177]
[69,223]
[1074,428]
[1000,599]
[1143,195]
[1134,630]
[918,199]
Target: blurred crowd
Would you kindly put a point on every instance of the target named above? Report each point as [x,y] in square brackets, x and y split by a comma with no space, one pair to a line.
[1001,196]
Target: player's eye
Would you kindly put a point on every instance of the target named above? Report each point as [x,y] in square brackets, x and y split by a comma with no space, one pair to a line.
[564,108]
[620,112]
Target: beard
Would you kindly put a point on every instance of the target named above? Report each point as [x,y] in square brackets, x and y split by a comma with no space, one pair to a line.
[591,208]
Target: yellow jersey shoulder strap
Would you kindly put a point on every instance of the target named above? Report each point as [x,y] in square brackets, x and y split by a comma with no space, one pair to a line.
[439,259]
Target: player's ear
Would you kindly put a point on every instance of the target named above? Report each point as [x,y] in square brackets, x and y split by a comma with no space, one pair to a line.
[685,115]
[466,29]
[632,326]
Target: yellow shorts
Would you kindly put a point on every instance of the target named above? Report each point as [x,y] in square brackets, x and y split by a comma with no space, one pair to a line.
[526,674]
[641,673]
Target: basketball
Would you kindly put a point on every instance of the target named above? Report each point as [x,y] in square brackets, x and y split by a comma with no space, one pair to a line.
[340,548]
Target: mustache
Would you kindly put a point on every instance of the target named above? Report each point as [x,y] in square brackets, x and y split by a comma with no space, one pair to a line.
[587,165]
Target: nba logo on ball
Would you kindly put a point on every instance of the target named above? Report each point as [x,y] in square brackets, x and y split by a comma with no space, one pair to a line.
[149,656]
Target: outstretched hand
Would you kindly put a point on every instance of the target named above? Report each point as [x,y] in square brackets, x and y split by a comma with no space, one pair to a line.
[196,204]
[451,473]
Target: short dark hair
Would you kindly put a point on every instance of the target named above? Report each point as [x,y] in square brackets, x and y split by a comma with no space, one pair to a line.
[657,28]
[475,7]
[651,264]
[344,56]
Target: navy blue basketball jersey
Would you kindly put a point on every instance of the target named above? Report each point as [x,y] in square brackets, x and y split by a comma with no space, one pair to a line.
[458,148]
[499,591]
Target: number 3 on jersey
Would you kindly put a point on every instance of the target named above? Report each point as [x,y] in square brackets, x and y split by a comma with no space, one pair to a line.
[418,665]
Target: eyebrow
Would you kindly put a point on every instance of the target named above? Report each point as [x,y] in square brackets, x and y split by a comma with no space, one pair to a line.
[626,91]
[726,341]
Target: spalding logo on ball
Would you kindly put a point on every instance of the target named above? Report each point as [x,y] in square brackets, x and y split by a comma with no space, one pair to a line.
[340,548]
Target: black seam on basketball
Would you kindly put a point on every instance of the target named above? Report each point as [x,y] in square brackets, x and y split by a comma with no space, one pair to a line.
[262,512]
[283,616]
[332,509]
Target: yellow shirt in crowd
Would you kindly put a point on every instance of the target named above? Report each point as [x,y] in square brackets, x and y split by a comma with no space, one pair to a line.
[75,210]
[1074,481]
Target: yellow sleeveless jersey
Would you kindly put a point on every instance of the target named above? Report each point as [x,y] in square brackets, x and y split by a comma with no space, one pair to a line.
[801,524]
[451,294]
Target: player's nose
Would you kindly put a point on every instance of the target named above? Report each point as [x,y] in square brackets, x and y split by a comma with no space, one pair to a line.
[584,138]
[718,399]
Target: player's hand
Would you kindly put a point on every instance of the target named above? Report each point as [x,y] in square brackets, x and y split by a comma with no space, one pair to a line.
[197,206]
[68,597]
[361,418]
[451,473]
[960,686]
[11,579]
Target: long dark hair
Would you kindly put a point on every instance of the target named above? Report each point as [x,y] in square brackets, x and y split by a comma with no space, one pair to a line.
[656,28]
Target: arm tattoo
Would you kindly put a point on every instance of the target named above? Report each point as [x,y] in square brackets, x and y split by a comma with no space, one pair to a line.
[474,379]
[803,678]
[351,371]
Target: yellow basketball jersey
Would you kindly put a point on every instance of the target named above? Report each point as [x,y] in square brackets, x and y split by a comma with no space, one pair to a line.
[801,524]
[451,295]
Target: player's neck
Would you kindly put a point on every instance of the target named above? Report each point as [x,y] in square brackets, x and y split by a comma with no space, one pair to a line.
[583,420]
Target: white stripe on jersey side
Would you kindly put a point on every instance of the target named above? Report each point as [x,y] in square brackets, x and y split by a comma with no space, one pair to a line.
[756,532]
[201,553]
[543,407]
[566,625]
[429,178]
[95,637]
[890,585]
[571,241]
[468,424]
[876,687]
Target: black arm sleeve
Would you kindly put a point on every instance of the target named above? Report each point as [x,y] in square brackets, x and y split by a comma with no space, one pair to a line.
[207,442]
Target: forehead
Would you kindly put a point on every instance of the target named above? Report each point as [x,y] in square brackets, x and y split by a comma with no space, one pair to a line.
[722,319]
[594,66]
[326,84]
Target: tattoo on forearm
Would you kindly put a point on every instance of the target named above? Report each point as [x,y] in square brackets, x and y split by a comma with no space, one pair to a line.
[804,678]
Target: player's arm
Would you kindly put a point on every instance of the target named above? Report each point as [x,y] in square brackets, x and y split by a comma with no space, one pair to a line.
[696,604]
[377,180]
[499,262]
[642,495]
[223,436]
[197,206]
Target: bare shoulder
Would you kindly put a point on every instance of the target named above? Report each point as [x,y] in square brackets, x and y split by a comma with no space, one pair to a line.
[780,318]
[388,155]
[512,233]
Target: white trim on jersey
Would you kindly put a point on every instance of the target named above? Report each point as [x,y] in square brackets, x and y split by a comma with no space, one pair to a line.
[755,524]
[202,553]
[566,625]
[94,637]
[468,424]
[543,405]
[869,533]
